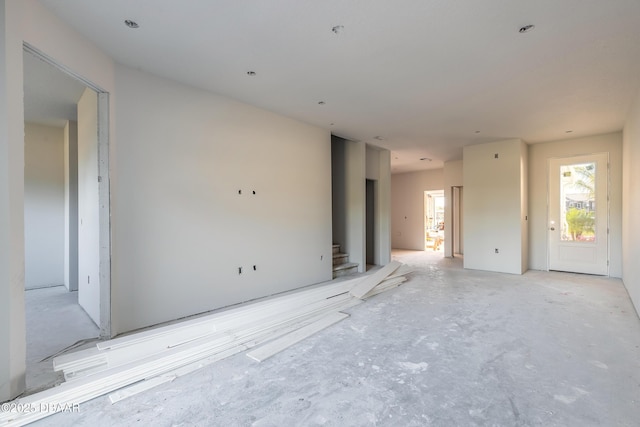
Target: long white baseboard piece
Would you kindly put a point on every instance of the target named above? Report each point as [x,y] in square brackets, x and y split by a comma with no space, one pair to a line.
[131,364]
[242,345]
[385,286]
[276,346]
[137,346]
[370,282]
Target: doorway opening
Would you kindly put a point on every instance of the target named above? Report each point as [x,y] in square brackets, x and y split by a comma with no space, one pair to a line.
[434,220]
[456,221]
[67,225]
[370,222]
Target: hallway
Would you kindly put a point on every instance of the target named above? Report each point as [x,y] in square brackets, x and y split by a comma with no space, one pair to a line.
[55,321]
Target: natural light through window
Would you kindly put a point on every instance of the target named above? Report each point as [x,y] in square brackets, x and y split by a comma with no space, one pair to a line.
[578,202]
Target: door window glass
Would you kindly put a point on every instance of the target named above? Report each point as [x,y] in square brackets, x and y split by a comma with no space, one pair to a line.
[578,202]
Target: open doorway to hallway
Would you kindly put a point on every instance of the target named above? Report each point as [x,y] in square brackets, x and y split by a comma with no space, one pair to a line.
[457,243]
[65,214]
[434,220]
[370,219]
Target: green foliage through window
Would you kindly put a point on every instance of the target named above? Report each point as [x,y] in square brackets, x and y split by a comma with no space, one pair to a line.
[581,223]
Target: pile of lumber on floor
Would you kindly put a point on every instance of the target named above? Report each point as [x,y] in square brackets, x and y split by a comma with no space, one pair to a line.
[130,364]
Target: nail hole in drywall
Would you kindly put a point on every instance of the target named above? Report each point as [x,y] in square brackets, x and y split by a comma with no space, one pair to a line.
[239,191]
[239,270]
[495,156]
[255,268]
[254,191]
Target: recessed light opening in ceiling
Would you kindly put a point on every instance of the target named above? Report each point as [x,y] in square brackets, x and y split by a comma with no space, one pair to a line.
[526,28]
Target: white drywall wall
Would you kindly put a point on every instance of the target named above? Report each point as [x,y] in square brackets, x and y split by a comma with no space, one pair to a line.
[12,319]
[183,228]
[28,21]
[254,131]
[539,155]
[353,163]
[339,191]
[378,168]
[44,211]
[631,204]
[88,215]
[452,178]
[524,207]
[71,205]
[383,209]
[493,206]
[407,206]
[373,163]
[355,244]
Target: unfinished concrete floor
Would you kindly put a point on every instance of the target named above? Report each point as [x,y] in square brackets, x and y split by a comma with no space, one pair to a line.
[450,347]
[55,321]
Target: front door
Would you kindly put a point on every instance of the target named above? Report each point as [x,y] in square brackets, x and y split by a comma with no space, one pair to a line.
[578,214]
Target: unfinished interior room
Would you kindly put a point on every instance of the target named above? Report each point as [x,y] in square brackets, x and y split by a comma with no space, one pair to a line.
[337,213]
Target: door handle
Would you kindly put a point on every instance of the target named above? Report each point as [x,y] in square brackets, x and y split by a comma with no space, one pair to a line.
[552,229]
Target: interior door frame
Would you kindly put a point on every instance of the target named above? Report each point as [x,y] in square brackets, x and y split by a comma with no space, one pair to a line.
[456,221]
[371,189]
[104,191]
[608,205]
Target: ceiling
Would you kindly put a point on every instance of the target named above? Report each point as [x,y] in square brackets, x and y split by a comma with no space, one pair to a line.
[422,78]
[50,96]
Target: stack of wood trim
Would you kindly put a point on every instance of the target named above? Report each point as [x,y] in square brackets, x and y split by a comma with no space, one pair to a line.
[130,364]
